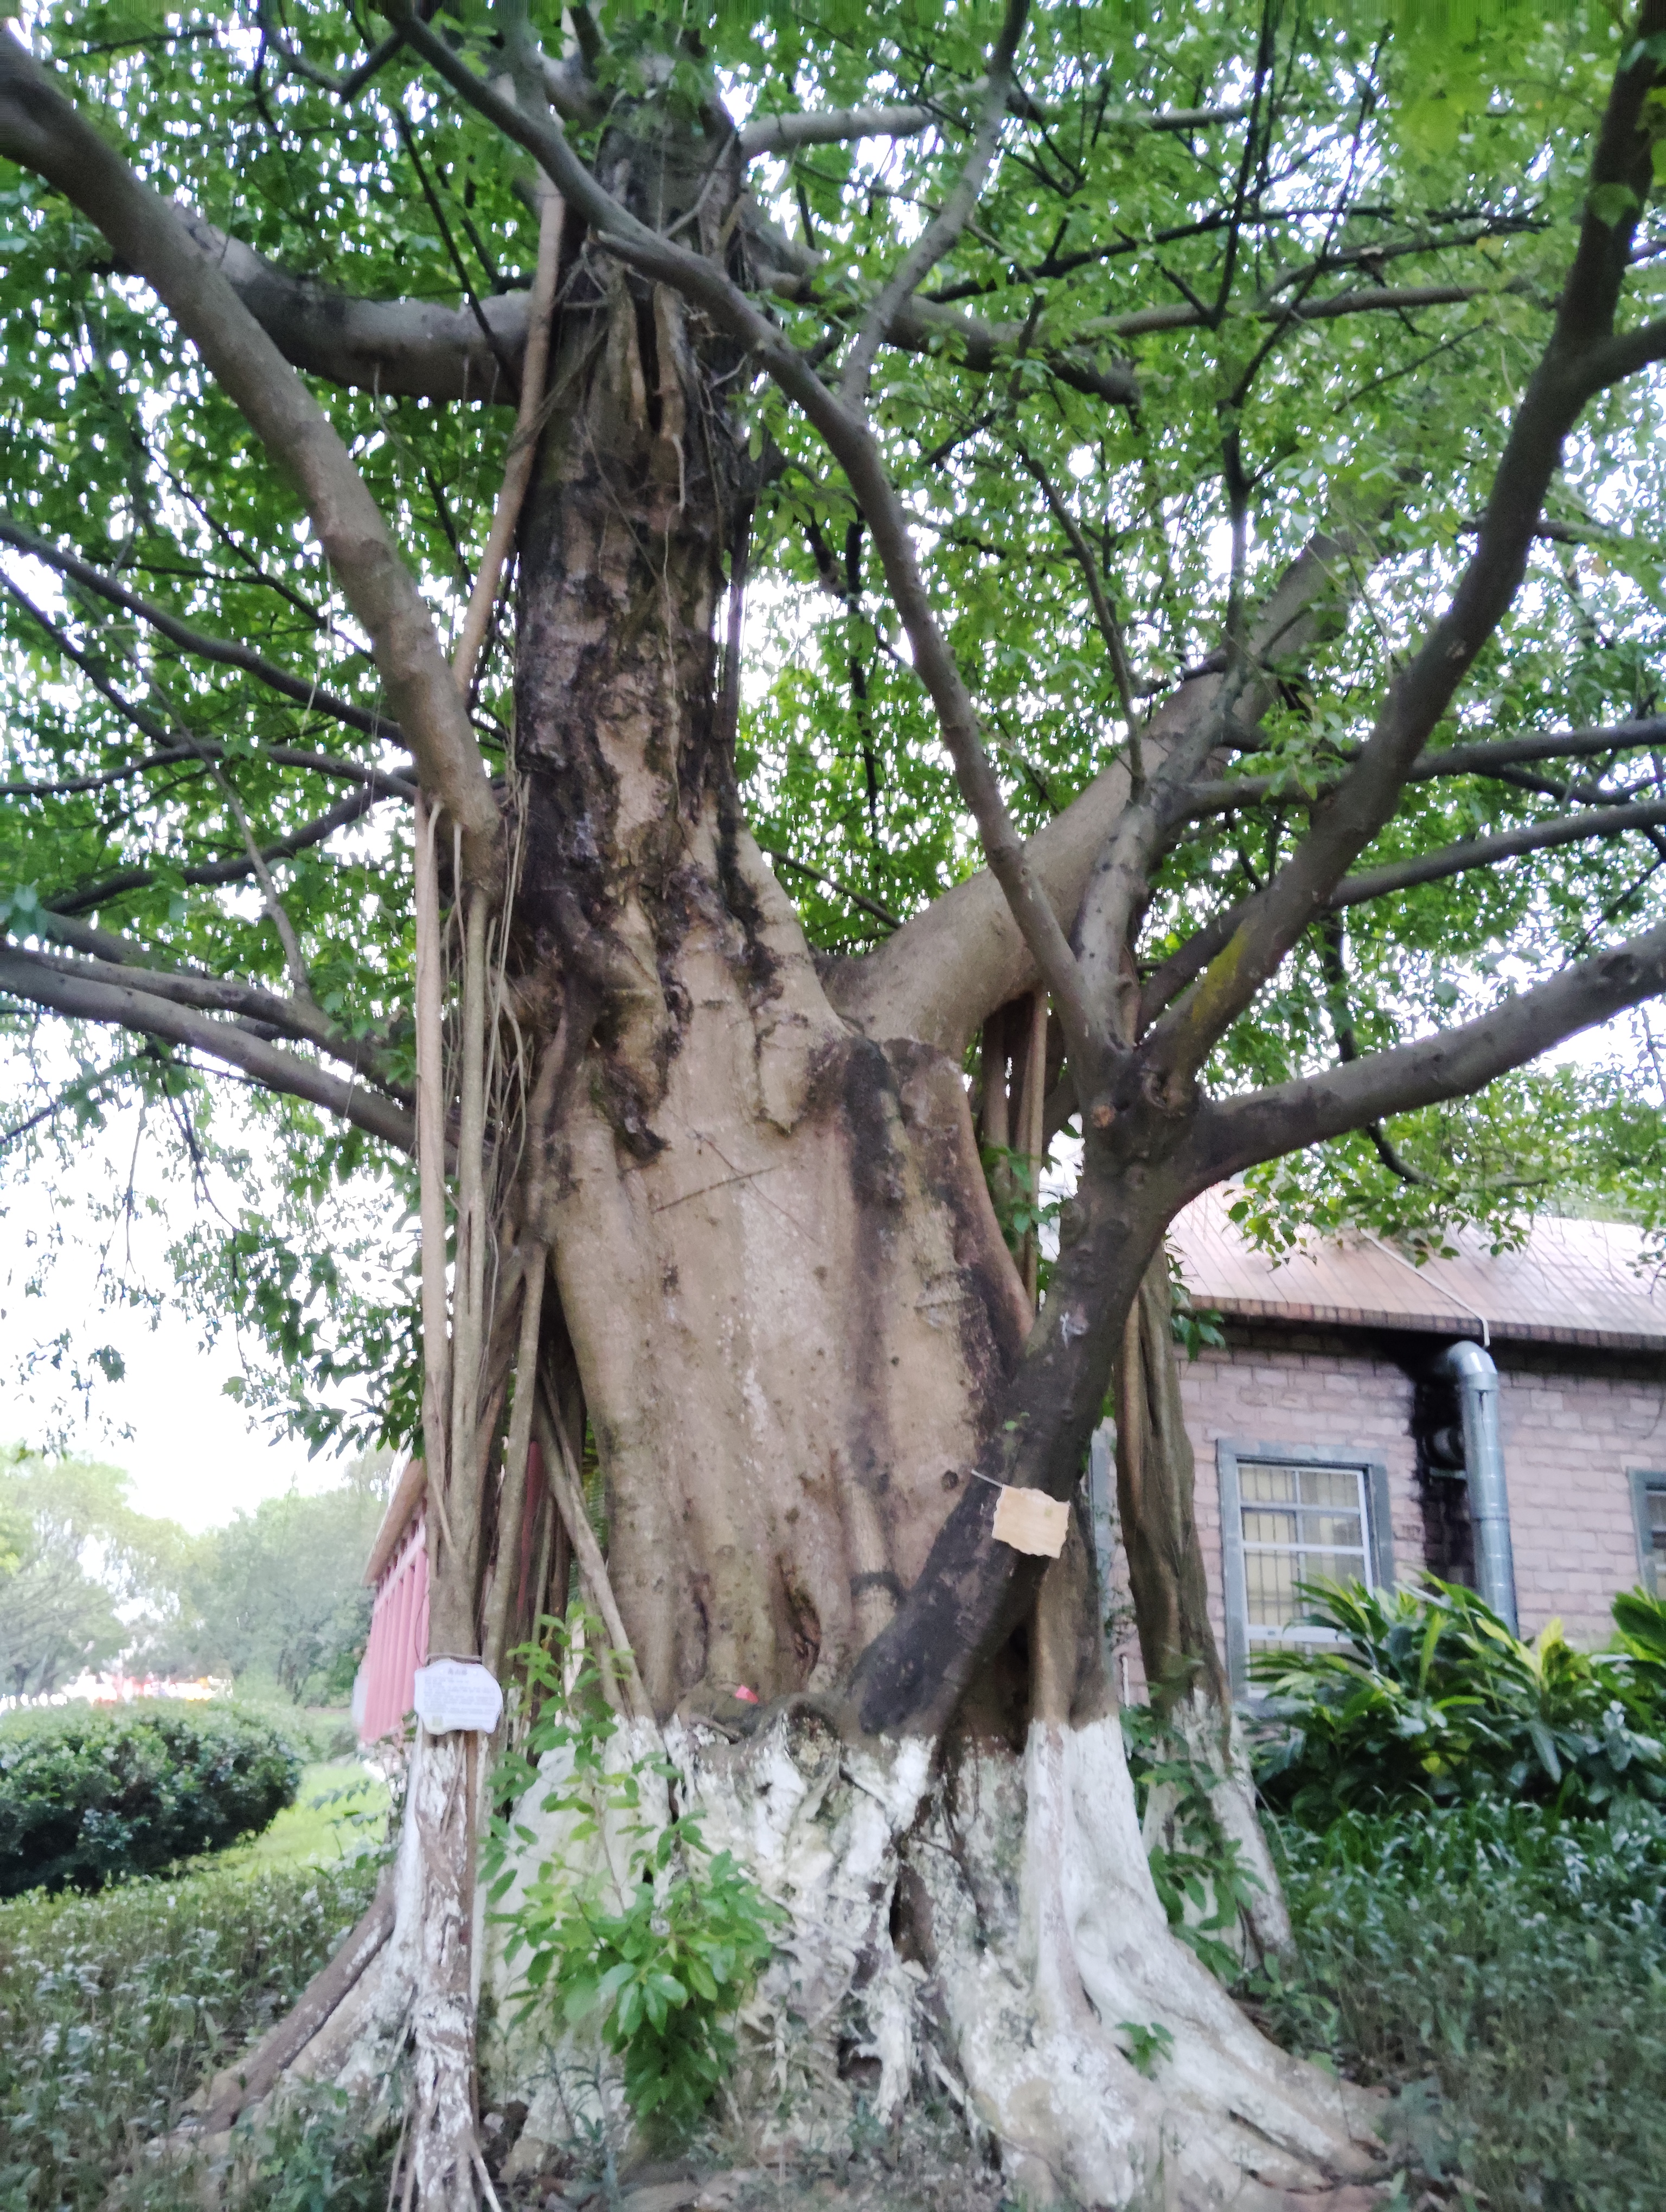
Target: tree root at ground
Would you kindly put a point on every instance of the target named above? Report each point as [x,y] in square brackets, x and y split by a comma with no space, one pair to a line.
[985,1927]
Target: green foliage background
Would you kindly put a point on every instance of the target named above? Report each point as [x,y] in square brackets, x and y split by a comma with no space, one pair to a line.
[274,1600]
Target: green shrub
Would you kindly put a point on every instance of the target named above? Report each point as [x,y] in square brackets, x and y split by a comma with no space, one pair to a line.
[1429,1698]
[1503,1968]
[322,1734]
[89,1795]
[114,2008]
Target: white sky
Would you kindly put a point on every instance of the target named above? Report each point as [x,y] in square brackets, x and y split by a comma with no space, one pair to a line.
[192,1453]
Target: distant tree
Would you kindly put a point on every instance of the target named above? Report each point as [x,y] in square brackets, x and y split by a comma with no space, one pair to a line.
[82,1577]
[278,1595]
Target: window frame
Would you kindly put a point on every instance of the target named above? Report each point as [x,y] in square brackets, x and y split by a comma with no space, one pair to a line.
[1646,1482]
[1231,1453]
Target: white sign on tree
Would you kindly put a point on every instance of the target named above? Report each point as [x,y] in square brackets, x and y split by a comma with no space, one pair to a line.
[458,1694]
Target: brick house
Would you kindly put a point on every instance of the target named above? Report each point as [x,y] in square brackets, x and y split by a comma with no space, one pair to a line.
[1337,1431]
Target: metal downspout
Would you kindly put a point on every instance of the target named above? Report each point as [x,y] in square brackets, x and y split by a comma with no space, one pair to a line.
[1471,1368]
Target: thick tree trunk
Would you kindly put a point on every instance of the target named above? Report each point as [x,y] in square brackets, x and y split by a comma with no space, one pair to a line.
[794,1327]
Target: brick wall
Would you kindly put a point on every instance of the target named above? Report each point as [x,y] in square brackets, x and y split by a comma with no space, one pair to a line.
[1291,1386]
[1570,1434]
[1573,1424]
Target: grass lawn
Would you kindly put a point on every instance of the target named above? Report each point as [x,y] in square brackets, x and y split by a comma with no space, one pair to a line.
[341,1808]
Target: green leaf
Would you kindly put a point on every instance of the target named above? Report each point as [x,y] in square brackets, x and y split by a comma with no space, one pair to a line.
[1612,203]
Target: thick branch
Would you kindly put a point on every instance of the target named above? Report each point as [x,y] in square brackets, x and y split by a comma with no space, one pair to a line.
[411,348]
[41,982]
[1239,1131]
[938,977]
[785,134]
[39,129]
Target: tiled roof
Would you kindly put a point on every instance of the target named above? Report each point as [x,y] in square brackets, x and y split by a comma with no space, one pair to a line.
[1573,1282]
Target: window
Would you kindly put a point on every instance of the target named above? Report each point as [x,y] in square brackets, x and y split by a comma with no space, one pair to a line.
[1291,1514]
[1649,1503]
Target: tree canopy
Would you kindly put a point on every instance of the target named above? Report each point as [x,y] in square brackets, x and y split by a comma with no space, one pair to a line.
[1225,356]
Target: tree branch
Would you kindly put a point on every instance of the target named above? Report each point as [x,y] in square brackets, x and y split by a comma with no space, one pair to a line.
[1239,1132]
[352,809]
[1459,859]
[950,966]
[833,126]
[831,883]
[940,233]
[378,780]
[39,129]
[411,349]
[1167,980]
[923,326]
[1347,820]
[109,959]
[197,643]
[40,981]
[1484,756]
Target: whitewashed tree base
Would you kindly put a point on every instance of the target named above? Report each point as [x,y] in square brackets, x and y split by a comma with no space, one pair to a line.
[977,1931]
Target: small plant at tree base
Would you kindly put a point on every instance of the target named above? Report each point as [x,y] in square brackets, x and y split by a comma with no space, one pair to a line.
[659,1954]
[1149,2044]
[1201,1880]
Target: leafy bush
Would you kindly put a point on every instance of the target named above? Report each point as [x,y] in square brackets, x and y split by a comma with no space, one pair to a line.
[1429,1699]
[660,1959]
[89,1795]
[1502,1967]
[321,1734]
[114,2008]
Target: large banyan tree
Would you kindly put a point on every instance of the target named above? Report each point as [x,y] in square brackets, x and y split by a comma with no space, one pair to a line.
[700,632]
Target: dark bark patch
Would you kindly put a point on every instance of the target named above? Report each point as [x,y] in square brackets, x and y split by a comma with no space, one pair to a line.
[911,1933]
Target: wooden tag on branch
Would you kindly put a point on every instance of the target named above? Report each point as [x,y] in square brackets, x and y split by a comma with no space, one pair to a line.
[1031,1521]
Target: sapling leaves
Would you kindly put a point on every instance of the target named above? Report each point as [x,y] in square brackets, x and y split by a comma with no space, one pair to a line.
[653,1952]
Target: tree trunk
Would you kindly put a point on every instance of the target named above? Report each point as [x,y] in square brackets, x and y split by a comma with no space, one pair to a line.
[1156,1477]
[792,1317]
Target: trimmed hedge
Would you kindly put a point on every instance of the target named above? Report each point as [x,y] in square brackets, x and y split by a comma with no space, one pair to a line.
[89,1795]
